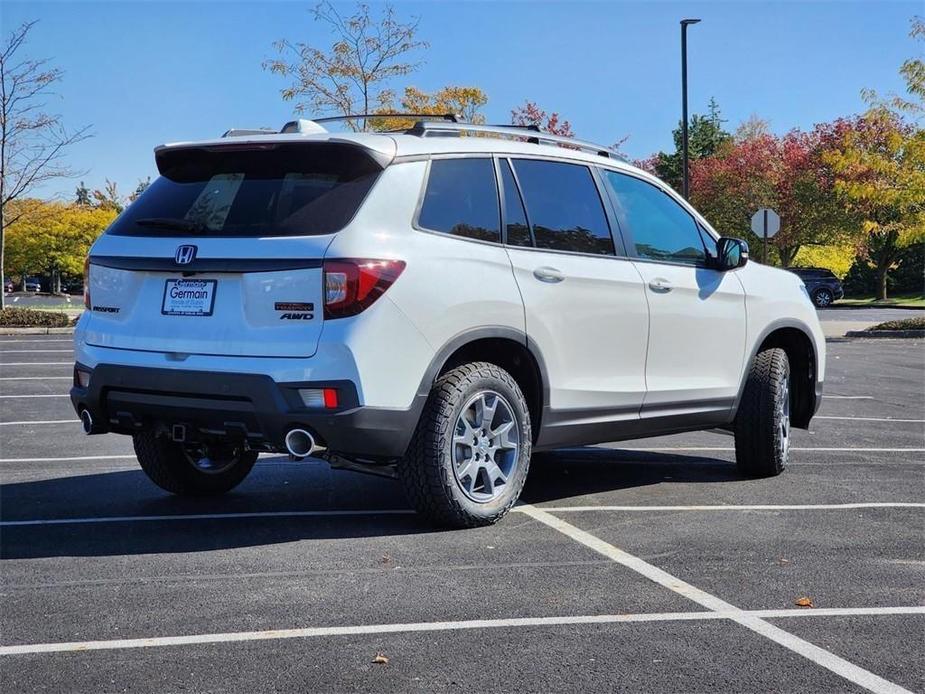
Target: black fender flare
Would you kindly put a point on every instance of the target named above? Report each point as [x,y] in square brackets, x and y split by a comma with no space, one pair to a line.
[772,327]
[465,337]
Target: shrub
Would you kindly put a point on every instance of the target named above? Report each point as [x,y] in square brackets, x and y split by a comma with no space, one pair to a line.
[917,323]
[30,318]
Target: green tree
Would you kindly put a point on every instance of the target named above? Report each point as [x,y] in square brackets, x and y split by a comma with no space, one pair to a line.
[352,74]
[706,136]
[82,195]
[53,238]
[880,178]
[880,170]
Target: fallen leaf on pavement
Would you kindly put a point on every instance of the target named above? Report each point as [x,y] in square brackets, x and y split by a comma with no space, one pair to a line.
[380,659]
[804,602]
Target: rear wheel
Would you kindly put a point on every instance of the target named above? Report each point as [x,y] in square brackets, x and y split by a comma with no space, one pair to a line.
[192,469]
[469,457]
[823,297]
[762,425]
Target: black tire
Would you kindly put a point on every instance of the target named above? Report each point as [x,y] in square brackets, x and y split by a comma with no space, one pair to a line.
[823,298]
[762,424]
[168,465]
[427,470]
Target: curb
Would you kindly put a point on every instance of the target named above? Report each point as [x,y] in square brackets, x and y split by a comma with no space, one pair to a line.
[37,331]
[853,307]
[885,333]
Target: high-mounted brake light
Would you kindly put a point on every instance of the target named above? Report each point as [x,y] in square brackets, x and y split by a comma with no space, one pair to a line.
[87,282]
[352,284]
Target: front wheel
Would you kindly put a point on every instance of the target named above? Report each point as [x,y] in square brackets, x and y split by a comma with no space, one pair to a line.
[762,424]
[192,470]
[469,457]
[823,298]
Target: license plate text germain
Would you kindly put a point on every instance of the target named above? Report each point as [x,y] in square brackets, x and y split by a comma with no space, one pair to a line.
[186,297]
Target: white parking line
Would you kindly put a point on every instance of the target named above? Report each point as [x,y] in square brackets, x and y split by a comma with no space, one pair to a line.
[656,449]
[37,363]
[873,419]
[48,395]
[42,421]
[371,512]
[847,397]
[830,661]
[36,378]
[411,627]
[206,516]
[66,460]
[740,507]
[35,351]
[37,340]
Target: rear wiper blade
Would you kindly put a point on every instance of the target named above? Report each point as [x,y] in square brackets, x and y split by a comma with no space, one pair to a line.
[171,223]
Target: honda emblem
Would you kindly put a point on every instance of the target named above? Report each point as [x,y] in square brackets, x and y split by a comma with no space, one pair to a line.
[185,255]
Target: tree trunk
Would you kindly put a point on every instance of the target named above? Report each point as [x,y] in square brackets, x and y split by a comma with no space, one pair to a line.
[882,271]
[2,255]
[787,254]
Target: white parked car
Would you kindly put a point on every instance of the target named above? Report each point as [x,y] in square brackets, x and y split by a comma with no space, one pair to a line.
[432,306]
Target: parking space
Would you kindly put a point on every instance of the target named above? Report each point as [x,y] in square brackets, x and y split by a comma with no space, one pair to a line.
[644,565]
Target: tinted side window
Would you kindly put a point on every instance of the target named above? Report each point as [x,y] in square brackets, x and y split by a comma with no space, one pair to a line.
[515,219]
[461,199]
[661,228]
[564,206]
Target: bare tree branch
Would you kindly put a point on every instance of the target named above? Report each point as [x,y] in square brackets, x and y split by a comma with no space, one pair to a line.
[352,74]
[33,141]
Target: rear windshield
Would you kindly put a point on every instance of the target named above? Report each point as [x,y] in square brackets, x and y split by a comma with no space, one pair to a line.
[263,190]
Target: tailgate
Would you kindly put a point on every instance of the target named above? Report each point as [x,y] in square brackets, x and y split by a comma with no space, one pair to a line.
[268,307]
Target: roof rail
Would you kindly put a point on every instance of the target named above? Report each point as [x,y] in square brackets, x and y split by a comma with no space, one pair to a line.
[531,132]
[451,117]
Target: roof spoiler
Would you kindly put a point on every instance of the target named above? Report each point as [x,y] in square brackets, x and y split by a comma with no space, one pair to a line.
[380,150]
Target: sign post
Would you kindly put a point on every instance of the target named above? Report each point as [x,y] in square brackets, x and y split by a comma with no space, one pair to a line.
[765,223]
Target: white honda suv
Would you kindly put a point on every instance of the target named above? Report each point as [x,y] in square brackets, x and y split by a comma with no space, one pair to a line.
[432,305]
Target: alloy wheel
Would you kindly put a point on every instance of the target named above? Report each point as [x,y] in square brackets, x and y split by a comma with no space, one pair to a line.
[486,446]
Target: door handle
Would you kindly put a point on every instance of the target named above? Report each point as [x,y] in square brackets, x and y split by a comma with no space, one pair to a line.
[660,285]
[548,274]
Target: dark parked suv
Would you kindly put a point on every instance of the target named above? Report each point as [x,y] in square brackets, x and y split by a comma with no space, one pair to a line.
[823,286]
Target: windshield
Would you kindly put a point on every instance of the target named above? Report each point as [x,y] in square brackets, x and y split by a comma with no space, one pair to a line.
[252,190]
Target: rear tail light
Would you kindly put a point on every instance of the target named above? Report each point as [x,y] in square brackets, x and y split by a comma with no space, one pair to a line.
[87,282]
[353,284]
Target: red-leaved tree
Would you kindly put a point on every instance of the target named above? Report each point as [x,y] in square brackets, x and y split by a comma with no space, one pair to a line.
[529,114]
[787,174]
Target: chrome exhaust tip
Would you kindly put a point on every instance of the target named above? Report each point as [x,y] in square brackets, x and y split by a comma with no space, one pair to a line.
[300,443]
[86,421]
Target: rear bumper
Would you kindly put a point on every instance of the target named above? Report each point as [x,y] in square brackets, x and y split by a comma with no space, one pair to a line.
[250,407]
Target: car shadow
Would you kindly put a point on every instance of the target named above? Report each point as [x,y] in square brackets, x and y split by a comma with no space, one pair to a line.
[561,475]
[348,505]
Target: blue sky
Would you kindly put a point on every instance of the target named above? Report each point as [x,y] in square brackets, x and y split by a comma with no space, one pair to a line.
[143,73]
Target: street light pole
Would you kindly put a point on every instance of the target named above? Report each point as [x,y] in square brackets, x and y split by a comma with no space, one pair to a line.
[684,181]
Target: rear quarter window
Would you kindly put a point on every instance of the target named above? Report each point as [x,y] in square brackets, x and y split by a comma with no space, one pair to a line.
[263,190]
[461,199]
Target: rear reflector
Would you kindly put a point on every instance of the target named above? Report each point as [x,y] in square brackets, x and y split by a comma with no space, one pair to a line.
[319,398]
[353,284]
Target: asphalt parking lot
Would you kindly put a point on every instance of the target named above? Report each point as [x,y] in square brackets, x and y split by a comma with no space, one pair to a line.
[639,566]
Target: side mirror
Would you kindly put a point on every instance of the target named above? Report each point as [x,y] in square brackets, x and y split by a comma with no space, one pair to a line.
[731,253]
